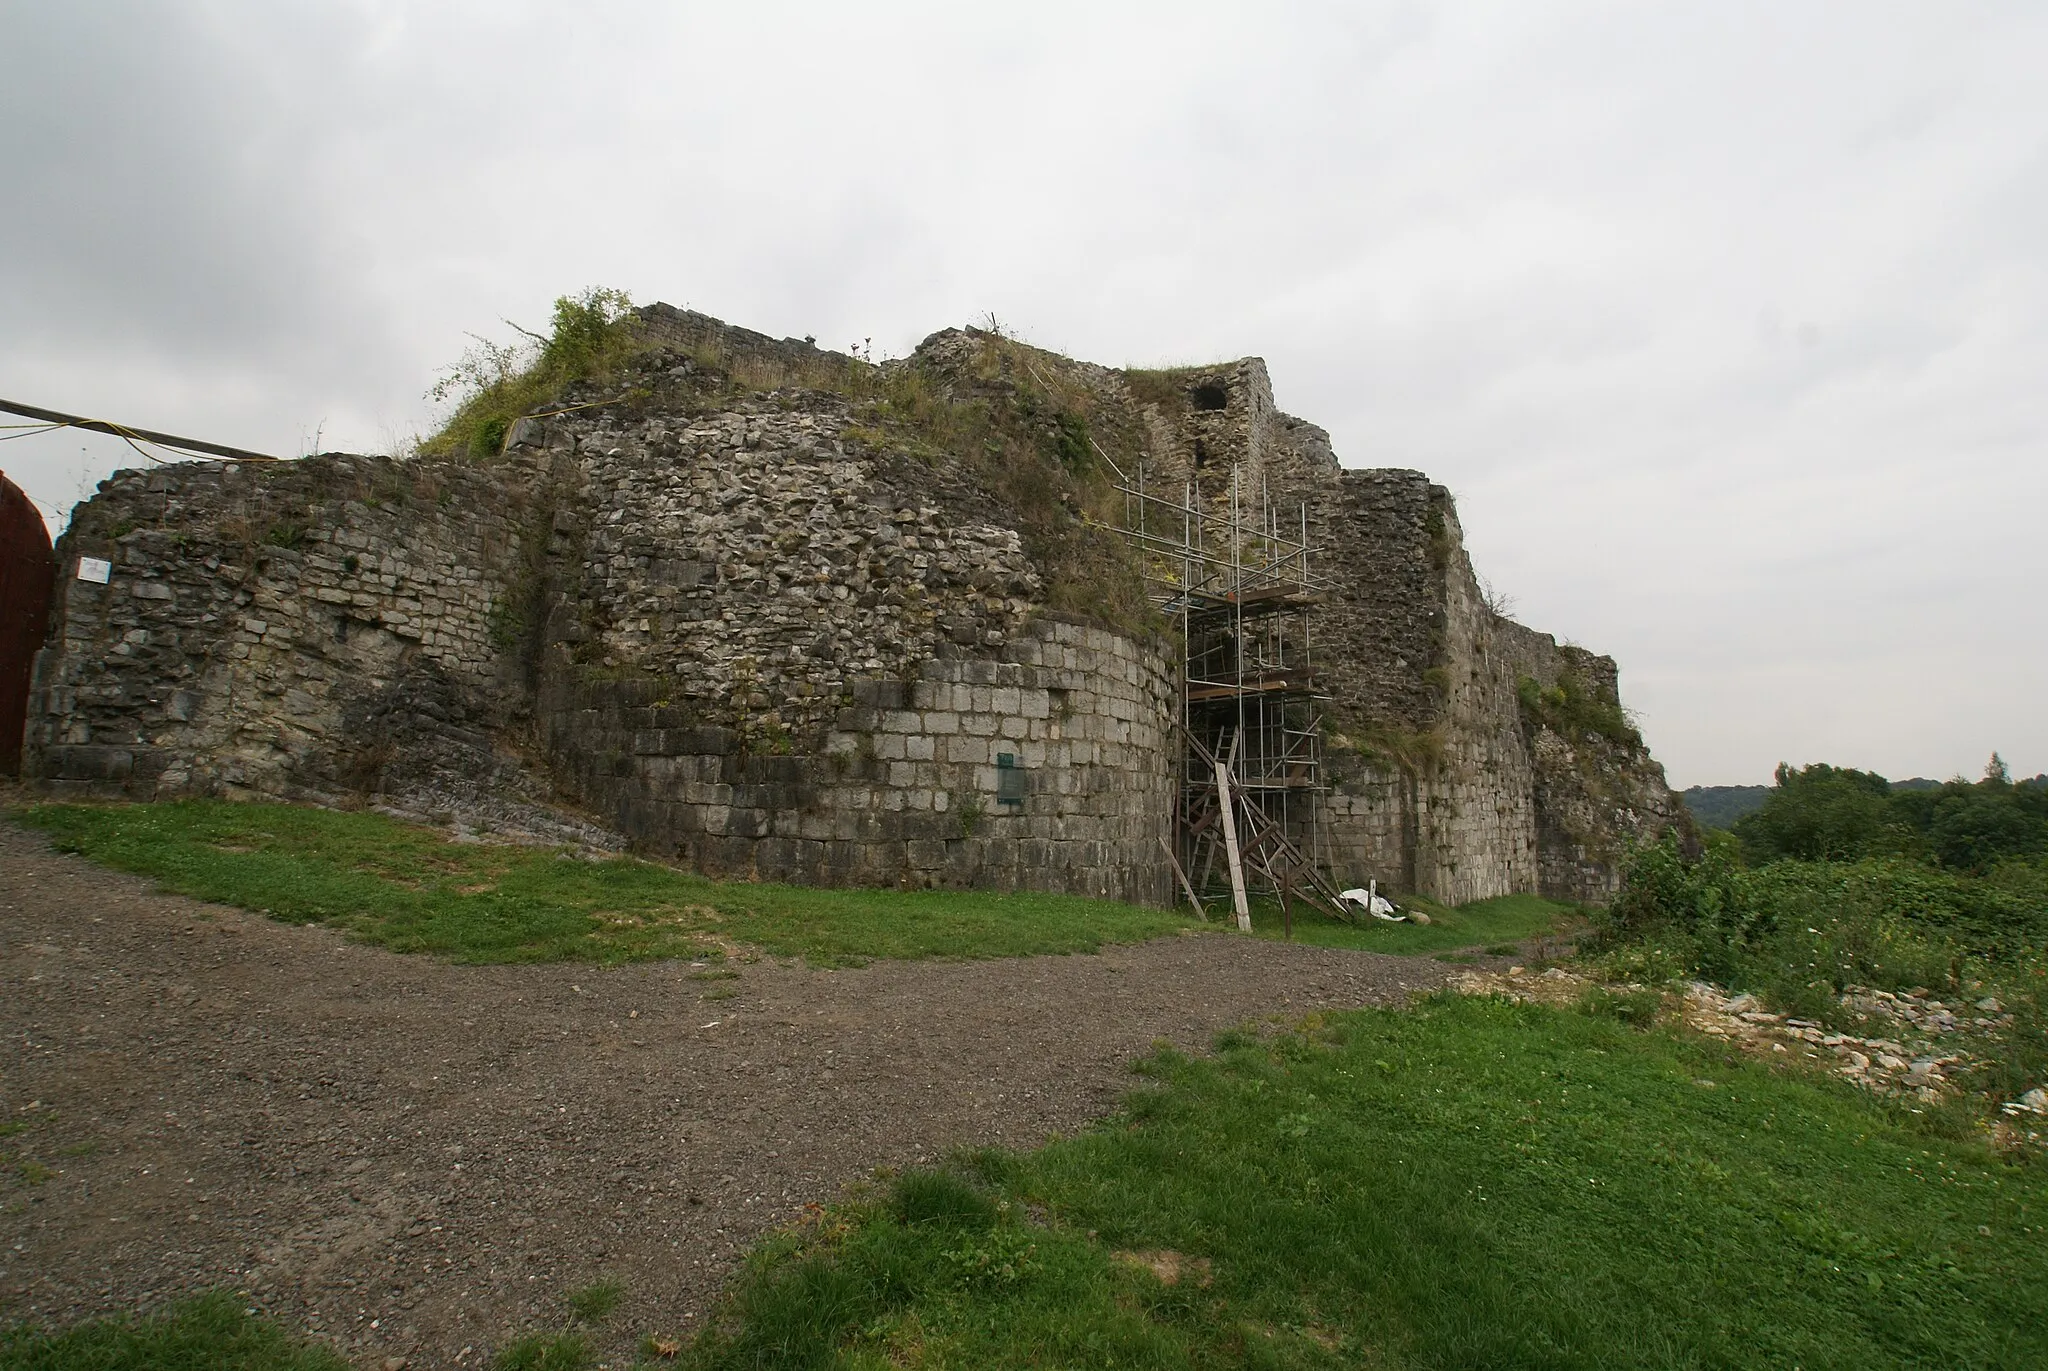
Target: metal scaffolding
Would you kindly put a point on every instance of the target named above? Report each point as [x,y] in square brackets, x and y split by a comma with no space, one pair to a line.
[1235,576]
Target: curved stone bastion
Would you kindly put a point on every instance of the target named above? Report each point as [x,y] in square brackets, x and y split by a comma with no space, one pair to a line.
[780,614]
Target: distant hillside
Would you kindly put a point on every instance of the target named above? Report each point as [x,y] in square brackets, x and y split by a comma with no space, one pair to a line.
[1719,806]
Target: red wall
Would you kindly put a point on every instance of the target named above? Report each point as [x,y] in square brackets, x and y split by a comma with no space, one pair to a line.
[27,575]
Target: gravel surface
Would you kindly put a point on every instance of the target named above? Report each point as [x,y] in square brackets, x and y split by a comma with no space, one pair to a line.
[415,1160]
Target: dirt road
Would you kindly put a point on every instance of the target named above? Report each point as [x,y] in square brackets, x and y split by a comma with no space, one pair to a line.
[416,1160]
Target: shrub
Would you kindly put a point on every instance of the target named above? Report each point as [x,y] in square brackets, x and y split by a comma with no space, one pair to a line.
[495,384]
[1823,813]
[1801,932]
[1576,710]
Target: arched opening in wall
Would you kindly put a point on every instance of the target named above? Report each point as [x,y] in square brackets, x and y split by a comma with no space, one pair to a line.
[1209,395]
[1201,453]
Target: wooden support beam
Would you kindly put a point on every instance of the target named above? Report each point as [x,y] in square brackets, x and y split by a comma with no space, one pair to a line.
[51,416]
[1186,886]
[1237,896]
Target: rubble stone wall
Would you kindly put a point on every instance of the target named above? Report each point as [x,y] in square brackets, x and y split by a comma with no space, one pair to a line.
[1435,793]
[741,638]
[737,626]
[249,609]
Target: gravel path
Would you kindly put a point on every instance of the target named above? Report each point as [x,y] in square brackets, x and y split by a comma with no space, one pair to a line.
[415,1160]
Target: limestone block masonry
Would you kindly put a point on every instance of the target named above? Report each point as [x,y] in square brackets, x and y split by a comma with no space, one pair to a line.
[255,617]
[734,622]
[910,787]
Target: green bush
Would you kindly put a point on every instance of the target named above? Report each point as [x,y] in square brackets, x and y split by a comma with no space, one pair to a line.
[495,384]
[1823,813]
[1574,709]
[1799,933]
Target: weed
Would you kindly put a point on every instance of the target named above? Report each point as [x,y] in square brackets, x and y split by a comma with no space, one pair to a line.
[1441,545]
[1414,752]
[564,1351]
[593,1303]
[211,1333]
[971,812]
[494,384]
[1637,1008]
[653,1346]
[1573,709]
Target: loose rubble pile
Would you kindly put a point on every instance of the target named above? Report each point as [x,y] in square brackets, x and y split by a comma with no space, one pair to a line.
[1918,1046]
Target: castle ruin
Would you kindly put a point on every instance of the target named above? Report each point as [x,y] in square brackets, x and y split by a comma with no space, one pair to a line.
[778,613]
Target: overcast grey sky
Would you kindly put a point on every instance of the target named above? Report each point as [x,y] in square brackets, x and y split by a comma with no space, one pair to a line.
[1727,323]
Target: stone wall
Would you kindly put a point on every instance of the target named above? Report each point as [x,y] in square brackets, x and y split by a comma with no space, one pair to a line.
[757,560]
[905,789]
[733,633]
[776,650]
[253,611]
[744,617]
[1433,783]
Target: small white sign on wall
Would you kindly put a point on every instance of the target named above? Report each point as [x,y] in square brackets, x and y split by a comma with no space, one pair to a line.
[95,569]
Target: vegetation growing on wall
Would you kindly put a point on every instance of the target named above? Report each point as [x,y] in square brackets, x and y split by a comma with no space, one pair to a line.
[1577,712]
[1411,751]
[494,384]
[1021,429]
[1166,387]
[1037,451]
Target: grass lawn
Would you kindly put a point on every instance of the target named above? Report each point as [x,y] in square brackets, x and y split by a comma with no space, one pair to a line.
[1483,923]
[212,1333]
[411,889]
[1467,1184]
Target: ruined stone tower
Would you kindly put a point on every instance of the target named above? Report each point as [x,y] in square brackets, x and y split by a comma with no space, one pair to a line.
[777,613]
